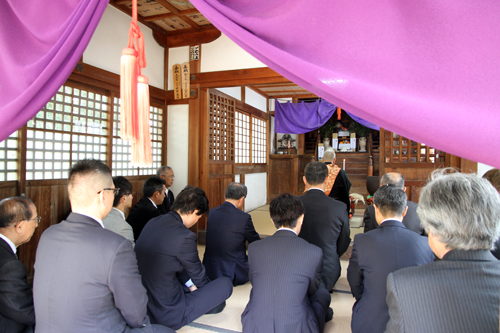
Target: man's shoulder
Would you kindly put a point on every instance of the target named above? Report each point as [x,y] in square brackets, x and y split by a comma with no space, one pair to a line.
[411,204]
[292,240]
[228,210]
[415,272]
[113,216]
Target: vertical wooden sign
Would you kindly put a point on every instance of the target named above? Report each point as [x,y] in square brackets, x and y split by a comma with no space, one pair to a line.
[195,52]
[185,80]
[177,81]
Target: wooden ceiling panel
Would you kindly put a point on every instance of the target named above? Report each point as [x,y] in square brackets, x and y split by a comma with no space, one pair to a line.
[173,24]
[178,23]
[147,8]
[199,19]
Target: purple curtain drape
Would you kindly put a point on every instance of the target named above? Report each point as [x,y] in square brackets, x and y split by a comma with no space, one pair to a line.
[363,122]
[40,43]
[428,70]
[298,118]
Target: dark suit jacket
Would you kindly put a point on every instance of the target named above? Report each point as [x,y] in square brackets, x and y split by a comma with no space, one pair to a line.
[228,229]
[166,206]
[326,224]
[140,214]
[284,271]
[166,249]
[375,255]
[496,251]
[411,219]
[87,280]
[340,189]
[16,299]
[459,293]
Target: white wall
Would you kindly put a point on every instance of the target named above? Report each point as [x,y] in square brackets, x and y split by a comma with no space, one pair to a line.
[256,100]
[234,92]
[257,190]
[177,55]
[111,37]
[482,169]
[223,55]
[177,145]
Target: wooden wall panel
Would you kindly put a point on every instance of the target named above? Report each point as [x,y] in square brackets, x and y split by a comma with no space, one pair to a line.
[284,171]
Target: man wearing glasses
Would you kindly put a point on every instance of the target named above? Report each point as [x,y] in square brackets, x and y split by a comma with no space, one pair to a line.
[18,221]
[115,221]
[86,277]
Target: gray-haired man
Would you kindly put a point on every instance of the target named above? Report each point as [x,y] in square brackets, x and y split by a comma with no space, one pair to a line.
[228,230]
[459,293]
[167,174]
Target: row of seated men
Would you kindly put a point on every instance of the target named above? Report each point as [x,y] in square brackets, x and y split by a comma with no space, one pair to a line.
[87,278]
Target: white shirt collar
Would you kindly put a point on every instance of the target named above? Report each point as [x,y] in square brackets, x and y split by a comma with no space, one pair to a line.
[316,188]
[12,246]
[94,218]
[153,203]
[391,219]
[287,229]
[119,211]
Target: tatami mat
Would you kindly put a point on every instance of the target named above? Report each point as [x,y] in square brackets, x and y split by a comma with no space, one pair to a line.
[229,320]
[264,225]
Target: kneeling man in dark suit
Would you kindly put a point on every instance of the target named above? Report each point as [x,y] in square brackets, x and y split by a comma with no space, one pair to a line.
[228,230]
[18,221]
[459,293]
[285,273]
[168,260]
[379,252]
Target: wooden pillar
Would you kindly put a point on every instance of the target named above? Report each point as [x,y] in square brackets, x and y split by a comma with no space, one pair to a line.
[21,153]
[164,142]
[194,127]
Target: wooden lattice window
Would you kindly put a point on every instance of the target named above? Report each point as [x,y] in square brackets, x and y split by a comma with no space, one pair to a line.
[222,129]
[259,144]
[72,126]
[8,158]
[122,151]
[398,149]
[242,137]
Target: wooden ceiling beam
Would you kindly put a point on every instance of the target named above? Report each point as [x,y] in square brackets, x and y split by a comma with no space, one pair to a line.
[188,20]
[202,36]
[291,84]
[250,73]
[283,91]
[294,95]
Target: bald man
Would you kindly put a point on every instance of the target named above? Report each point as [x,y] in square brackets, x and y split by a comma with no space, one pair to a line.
[18,221]
[86,277]
[411,220]
[338,184]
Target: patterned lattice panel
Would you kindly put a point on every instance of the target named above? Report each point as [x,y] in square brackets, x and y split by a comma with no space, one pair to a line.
[242,138]
[222,129]
[259,142]
[72,126]
[8,158]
